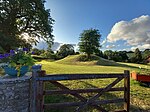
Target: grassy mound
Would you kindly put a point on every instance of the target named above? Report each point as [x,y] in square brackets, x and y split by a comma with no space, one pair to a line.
[81,60]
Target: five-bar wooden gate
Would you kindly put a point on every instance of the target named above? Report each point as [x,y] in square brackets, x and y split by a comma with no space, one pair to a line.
[40,77]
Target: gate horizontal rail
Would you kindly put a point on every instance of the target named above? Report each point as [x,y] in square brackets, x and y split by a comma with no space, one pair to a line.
[94,90]
[38,90]
[61,77]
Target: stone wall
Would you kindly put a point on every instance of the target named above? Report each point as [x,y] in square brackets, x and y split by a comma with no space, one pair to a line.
[15,94]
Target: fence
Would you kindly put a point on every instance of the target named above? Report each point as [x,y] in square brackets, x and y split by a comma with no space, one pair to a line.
[39,92]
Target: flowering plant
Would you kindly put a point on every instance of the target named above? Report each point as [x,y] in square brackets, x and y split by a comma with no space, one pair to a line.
[18,58]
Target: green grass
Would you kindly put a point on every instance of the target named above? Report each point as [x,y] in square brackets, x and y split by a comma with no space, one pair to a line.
[55,68]
[75,60]
[140,95]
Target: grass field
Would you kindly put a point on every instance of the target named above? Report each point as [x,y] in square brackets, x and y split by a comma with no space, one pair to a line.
[140,95]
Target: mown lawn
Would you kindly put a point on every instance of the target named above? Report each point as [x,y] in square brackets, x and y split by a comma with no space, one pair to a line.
[55,68]
[140,95]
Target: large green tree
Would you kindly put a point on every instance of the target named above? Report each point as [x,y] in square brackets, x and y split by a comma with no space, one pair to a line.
[89,42]
[24,17]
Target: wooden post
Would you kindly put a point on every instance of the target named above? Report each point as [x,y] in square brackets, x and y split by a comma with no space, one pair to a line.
[41,89]
[38,94]
[127,91]
[35,70]
[40,99]
[34,87]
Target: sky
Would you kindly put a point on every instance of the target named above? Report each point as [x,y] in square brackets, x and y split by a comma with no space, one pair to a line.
[123,24]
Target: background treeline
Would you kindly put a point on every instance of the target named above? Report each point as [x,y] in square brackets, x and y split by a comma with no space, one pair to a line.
[64,51]
[127,56]
[119,56]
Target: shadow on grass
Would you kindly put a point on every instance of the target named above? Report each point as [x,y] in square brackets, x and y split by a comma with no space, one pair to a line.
[69,98]
[145,84]
[134,108]
[142,84]
[57,99]
[117,64]
[118,106]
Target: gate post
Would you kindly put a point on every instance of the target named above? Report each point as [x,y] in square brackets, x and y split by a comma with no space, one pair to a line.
[127,90]
[35,70]
[40,88]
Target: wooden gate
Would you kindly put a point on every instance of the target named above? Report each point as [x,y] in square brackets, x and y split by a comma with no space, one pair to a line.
[40,77]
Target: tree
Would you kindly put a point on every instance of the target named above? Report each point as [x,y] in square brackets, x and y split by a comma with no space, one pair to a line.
[49,55]
[108,54]
[65,50]
[24,17]
[146,53]
[138,56]
[37,51]
[99,53]
[124,57]
[120,56]
[89,42]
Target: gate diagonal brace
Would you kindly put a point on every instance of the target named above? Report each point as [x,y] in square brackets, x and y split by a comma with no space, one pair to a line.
[99,94]
[77,95]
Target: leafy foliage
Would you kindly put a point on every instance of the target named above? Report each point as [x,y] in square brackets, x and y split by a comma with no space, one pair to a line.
[138,55]
[37,51]
[89,42]
[99,53]
[19,57]
[24,17]
[65,50]
[48,55]
[119,56]
[137,58]
[146,54]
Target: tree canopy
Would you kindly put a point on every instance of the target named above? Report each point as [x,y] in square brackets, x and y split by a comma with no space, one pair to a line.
[119,56]
[146,53]
[89,42]
[138,55]
[65,50]
[24,17]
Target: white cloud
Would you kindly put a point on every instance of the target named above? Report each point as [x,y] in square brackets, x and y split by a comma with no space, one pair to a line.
[124,49]
[110,46]
[136,32]
[43,45]
[104,41]
[55,46]
[141,47]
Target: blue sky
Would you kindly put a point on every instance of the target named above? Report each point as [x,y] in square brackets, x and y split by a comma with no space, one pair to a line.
[126,17]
